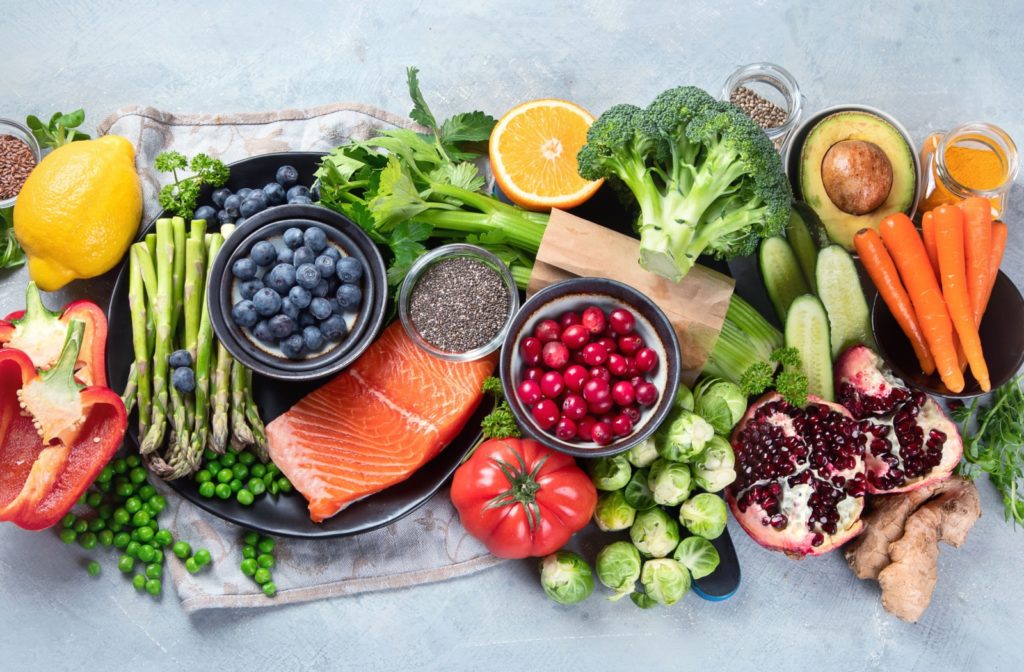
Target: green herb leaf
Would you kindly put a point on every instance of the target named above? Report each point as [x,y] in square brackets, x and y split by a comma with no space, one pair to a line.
[60,129]
[462,175]
[11,254]
[181,196]
[397,199]
[72,119]
[467,127]
[406,245]
[169,161]
[420,113]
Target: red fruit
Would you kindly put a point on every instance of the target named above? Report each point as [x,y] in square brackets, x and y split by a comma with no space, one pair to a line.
[646,393]
[602,433]
[547,331]
[555,355]
[551,384]
[529,350]
[529,392]
[574,406]
[585,427]
[533,373]
[631,370]
[575,336]
[593,319]
[617,364]
[622,425]
[545,413]
[622,321]
[910,441]
[623,393]
[800,475]
[636,381]
[594,354]
[630,344]
[596,389]
[576,357]
[565,429]
[601,407]
[600,372]
[568,318]
[632,412]
[608,343]
[575,376]
[646,360]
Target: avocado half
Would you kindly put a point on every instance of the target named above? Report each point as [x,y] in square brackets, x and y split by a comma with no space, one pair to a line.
[864,126]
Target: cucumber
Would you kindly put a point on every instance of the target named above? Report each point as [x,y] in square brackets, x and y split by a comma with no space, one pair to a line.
[839,289]
[807,330]
[804,246]
[781,274]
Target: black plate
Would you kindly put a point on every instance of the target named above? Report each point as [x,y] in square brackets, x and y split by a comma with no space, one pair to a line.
[286,515]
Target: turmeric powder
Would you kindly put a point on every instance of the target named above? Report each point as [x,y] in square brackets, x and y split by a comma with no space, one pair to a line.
[973,168]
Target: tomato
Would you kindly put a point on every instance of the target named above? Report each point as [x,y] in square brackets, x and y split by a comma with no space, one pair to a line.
[521,498]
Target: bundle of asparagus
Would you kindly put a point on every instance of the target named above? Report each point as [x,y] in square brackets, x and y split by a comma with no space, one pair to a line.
[168,277]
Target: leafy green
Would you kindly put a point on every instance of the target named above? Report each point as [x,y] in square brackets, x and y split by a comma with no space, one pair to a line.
[181,195]
[61,129]
[11,254]
[500,423]
[789,381]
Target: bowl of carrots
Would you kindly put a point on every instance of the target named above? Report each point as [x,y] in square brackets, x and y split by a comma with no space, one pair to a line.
[946,318]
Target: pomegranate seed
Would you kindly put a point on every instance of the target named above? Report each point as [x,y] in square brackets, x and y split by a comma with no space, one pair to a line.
[552,385]
[646,393]
[574,407]
[593,319]
[608,343]
[555,355]
[568,318]
[574,377]
[565,429]
[632,412]
[646,360]
[594,354]
[547,331]
[601,407]
[617,364]
[529,350]
[575,336]
[545,413]
[623,393]
[630,344]
[533,373]
[600,372]
[622,321]
[529,392]
[622,425]
[585,427]
[596,389]
[602,433]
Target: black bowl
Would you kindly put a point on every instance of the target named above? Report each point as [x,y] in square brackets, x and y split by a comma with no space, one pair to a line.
[1002,341]
[341,233]
[576,294]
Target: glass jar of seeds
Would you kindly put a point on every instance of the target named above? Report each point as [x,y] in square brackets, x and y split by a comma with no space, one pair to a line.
[19,154]
[457,302]
[769,95]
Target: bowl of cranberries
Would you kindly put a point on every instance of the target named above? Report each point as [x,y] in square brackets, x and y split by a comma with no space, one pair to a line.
[590,366]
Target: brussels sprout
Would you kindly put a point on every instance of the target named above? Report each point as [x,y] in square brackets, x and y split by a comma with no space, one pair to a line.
[613,512]
[669,482]
[637,493]
[654,533]
[642,454]
[684,398]
[610,473]
[714,468]
[683,437]
[703,515]
[665,581]
[697,555]
[720,402]
[566,577]
[618,567]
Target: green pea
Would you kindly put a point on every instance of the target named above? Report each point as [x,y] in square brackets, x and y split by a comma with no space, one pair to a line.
[153,524]
[240,471]
[139,581]
[246,458]
[181,549]
[68,521]
[132,549]
[266,544]
[93,568]
[209,455]
[265,560]
[223,490]
[202,476]
[154,571]
[83,500]
[285,485]
[249,552]
[133,461]
[120,466]
[97,524]
[140,518]
[269,478]
[261,576]
[105,511]
[251,538]
[235,485]
[106,474]
[228,459]
[272,469]
[133,505]
[81,525]
[146,534]
[258,470]
[121,515]
[163,538]
[158,556]
[202,557]
[256,486]
[87,540]
[126,564]
[106,538]
[115,527]
[68,536]
[135,534]
[121,539]
[94,499]
[225,475]
[269,589]
[157,503]
[244,497]
[249,567]
[207,490]
[146,491]
[191,566]
[153,587]
[146,553]
[124,489]
[104,487]
[273,489]
[213,467]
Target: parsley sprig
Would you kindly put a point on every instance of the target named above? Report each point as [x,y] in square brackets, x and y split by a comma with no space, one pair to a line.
[181,195]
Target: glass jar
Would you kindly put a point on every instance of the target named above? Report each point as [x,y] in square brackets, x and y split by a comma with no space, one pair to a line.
[16,130]
[974,159]
[775,85]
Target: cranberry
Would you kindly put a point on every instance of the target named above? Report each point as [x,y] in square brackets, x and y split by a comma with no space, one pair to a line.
[576,357]
[632,412]
[596,389]
[636,380]
[622,321]
[630,344]
[529,350]
[552,385]
[602,433]
[646,393]
[617,364]
[575,336]
[547,331]
[646,360]
[574,406]
[600,372]
[593,320]
[565,429]
[574,377]
[622,425]
[568,318]
[529,392]
[594,354]
[631,370]
[608,343]
[623,393]
[555,355]
[545,413]
[585,426]
[601,407]
[533,373]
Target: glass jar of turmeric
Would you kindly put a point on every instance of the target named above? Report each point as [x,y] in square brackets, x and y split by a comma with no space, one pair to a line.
[974,159]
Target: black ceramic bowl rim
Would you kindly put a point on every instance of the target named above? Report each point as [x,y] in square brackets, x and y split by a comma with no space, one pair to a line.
[620,293]
[341,231]
[1005,297]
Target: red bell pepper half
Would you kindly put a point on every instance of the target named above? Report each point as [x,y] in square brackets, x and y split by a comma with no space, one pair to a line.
[55,435]
[39,333]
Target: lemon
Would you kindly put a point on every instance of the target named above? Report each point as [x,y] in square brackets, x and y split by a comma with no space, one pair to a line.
[79,211]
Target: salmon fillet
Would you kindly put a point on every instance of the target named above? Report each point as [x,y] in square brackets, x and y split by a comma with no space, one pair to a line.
[374,424]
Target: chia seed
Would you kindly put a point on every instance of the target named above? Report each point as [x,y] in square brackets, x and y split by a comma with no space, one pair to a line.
[459,304]
[765,113]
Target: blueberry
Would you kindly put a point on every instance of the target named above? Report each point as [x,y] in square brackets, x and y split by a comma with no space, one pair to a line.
[285,255]
[281,278]
[249,288]
[291,347]
[220,195]
[320,308]
[244,193]
[334,327]
[325,265]
[304,255]
[224,218]
[274,193]
[289,308]
[184,379]
[321,290]
[263,253]
[306,319]
[231,204]
[293,237]
[267,302]
[349,296]
[299,296]
[314,191]
[307,276]
[244,313]
[300,200]
[315,239]
[349,269]
[205,212]
[312,338]
[244,268]
[256,202]
[335,306]
[262,331]
[296,191]
[180,358]
[281,326]
[332,252]
[287,176]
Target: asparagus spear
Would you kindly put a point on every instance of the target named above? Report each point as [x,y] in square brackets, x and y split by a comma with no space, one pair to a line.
[221,376]
[131,388]
[204,348]
[164,295]
[178,271]
[239,426]
[137,303]
[151,244]
[252,413]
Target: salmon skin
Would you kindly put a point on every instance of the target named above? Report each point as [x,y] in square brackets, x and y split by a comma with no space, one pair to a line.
[374,424]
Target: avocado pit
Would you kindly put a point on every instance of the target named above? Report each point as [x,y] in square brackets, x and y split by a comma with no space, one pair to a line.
[857,176]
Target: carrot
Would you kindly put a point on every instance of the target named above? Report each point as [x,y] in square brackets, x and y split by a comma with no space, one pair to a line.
[883,273]
[911,259]
[949,236]
[977,250]
[928,233]
[998,247]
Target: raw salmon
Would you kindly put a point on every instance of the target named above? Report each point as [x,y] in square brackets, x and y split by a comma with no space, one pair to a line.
[374,424]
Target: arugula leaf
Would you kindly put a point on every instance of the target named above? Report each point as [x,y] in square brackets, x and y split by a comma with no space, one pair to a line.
[60,130]
[406,245]
[420,113]
[467,127]
[11,254]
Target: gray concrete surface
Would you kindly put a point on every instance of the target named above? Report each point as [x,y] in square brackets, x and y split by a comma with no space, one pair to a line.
[931,66]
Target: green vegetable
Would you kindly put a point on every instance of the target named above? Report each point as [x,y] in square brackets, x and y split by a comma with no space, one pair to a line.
[705,177]
[610,473]
[669,482]
[181,549]
[637,493]
[499,423]
[698,555]
[613,512]
[618,567]
[202,557]
[746,339]
[181,196]
[790,382]
[654,533]
[807,330]
[126,564]
[11,254]
[803,233]
[269,589]
[249,566]
[840,292]
[139,581]
[684,398]
[665,581]
[566,577]
[61,129]
[683,436]
[720,402]
[781,274]
[644,453]
[704,515]
[715,467]
[93,568]
[261,576]
[153,587]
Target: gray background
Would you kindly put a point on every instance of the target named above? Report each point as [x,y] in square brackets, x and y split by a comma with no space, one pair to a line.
[930,66]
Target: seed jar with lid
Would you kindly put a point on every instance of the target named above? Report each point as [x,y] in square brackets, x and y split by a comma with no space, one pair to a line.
[973,159]
[769,95]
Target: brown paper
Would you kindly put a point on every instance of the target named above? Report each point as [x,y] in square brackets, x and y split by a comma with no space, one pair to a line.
[696,306]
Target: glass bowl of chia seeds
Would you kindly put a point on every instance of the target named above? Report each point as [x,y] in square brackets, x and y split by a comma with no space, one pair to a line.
[457,302]
[19,154]
[769,95]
